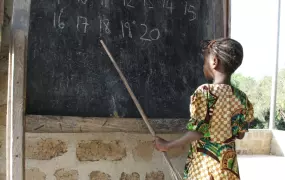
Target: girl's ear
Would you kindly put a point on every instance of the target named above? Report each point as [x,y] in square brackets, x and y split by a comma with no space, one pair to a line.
[215,62]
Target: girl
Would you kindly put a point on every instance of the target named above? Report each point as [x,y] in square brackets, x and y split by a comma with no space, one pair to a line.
[220,114]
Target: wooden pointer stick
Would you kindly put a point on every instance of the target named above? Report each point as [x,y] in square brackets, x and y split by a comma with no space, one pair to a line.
[175,174]
[129,90]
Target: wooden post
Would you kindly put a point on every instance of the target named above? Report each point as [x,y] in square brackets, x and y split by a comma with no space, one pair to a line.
[221,19]
[15,137]
[8,117]
[1,19]
[226,15]
[15,108]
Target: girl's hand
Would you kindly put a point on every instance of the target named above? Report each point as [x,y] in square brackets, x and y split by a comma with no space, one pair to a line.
[161,144]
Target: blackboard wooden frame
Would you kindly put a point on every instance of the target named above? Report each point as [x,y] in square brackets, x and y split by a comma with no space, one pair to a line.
[56,124]
[18,123]
[69,73]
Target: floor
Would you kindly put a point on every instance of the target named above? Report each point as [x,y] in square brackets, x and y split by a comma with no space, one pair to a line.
[262,167]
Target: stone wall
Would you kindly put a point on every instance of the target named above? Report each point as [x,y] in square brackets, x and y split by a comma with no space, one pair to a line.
[114,156]
[97,156]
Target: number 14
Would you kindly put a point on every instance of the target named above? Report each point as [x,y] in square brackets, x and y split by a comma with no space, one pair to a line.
[168,5]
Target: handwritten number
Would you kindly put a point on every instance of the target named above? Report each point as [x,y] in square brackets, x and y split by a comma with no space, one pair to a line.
[57,20]
[82,1]
[104,3]
[128,4]
[190,9]
[105,23]
[149,3]
[60,24]
[123,31]
[128,26]
[143,36]
[157,36]
[79,18]
[150,34]
[168,5]
[54,20]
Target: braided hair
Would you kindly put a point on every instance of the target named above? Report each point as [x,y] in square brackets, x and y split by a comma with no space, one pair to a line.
[228,51]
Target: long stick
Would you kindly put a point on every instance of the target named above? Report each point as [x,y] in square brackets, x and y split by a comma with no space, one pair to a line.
[173,171]
[129,89]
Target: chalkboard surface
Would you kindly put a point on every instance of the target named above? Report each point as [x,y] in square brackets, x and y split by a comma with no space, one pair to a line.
[155,43]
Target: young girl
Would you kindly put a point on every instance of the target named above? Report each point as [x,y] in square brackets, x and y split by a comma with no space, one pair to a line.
[220,114]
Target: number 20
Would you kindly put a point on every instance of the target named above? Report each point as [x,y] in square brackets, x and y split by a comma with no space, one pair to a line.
[151,38]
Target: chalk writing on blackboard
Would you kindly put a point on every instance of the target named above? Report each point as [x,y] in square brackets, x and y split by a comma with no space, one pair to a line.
[148,4]
[153,34]
[82,1]
[167,4]
[127,26]
[155,42]
[81,21]
[190,9]
[148,33]
[128,3]
[104,26]
[57,20]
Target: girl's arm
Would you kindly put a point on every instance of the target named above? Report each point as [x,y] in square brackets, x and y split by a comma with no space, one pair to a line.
[187,138]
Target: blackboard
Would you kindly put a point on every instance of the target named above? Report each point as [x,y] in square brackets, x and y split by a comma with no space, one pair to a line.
[155,43]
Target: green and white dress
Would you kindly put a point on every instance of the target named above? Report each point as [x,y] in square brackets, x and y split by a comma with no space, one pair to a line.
[220,112]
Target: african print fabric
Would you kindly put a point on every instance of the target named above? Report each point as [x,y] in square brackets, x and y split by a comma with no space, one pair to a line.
[220,112]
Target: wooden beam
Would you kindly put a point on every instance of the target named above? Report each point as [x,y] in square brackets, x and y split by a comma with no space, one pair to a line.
[8,116]
[15,107]
[229,20]
[1,20]
[60,124]
[219,24]
[225,17]
[1,12]
[15,138]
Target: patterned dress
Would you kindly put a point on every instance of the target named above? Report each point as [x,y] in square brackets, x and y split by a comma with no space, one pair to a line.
[220,112]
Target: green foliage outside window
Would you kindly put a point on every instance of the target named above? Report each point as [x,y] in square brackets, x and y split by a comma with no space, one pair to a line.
[259,93]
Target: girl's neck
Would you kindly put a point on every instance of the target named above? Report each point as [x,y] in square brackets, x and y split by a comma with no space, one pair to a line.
[222,79]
